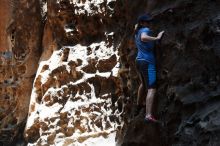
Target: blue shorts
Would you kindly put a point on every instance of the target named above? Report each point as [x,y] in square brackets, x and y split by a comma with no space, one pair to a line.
[147,73]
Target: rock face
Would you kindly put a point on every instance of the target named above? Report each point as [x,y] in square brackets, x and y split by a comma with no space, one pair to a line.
[76,96]
[188,75]
[72,63]
[71,104]
[20,51]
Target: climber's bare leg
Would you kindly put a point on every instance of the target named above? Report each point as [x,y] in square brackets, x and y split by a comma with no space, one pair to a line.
[150,101]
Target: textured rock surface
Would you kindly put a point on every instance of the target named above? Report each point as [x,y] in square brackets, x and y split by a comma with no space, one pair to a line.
[76,93]
[188,74]
[20,52]
[84,43]
[69,105]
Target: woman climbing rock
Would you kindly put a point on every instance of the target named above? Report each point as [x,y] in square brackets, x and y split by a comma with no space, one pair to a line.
[146,64]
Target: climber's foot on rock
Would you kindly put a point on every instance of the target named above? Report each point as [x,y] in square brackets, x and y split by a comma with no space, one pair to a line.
[150,119]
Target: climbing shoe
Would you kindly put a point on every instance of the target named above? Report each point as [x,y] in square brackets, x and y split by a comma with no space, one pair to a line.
[150,118]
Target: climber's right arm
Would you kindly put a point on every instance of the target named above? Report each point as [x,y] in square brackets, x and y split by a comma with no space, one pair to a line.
[147,38]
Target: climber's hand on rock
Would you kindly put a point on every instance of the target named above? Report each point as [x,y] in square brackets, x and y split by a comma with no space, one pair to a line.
[159,36]
[136,26]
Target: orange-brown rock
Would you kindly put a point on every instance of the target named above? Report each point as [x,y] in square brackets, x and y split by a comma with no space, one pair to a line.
[91,67]
[34,132]
[78,48]
[50,138]
[20,41]
[107,64]
[6,9]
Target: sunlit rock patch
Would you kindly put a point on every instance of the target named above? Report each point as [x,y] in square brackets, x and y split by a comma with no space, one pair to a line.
[75,98]
[91,7]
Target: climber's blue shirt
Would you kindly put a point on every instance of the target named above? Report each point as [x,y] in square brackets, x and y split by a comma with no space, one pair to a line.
[145,49]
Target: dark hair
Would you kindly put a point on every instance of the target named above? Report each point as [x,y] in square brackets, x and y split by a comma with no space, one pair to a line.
[145,18]
[142,18]
[138,27]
